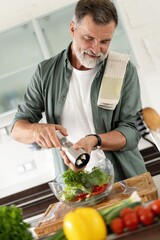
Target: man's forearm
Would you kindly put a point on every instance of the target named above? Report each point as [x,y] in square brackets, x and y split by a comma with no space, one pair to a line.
[113,141]
[24,131]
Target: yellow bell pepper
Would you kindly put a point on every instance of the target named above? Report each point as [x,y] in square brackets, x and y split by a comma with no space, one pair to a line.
[84,223]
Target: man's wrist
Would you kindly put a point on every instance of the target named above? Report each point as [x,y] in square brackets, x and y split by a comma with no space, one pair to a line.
[99,141]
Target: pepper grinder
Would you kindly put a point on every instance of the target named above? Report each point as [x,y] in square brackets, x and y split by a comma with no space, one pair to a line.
[78,157]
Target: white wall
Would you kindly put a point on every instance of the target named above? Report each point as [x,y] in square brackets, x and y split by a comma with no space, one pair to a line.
[142,20]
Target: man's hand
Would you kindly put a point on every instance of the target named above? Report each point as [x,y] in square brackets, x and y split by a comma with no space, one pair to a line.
[86,143]
[45,135]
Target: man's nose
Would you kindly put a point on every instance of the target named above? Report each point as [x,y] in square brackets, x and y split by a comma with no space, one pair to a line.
[96,46]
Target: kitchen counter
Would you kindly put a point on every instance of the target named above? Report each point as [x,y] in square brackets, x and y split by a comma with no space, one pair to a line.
[142,233]
[146,232]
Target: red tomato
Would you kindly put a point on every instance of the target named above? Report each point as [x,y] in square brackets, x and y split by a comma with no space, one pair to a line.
[81,196]
[125,211]
[96,190]
[117,225]
[138,209]
[99,189]
[155,207]
[131,221]
[146,216]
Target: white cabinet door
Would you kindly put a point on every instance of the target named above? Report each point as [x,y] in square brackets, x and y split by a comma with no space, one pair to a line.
[20,53]
[56,29]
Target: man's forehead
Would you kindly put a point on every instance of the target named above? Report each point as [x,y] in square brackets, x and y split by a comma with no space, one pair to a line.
[100,32]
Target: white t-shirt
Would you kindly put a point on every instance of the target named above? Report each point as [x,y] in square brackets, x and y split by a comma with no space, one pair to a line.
[77,113]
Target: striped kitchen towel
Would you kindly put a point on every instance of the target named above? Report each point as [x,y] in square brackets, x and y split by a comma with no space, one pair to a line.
[110,89]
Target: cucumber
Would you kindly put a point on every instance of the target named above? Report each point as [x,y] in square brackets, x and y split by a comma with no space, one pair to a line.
[134,204]
[116,211]
[107,210]
[133,198]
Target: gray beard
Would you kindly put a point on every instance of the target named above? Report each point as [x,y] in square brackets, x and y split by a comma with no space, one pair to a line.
[87,61]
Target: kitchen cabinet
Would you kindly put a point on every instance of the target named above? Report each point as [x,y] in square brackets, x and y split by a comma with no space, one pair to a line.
[23,47]
[19,55]
[55,28]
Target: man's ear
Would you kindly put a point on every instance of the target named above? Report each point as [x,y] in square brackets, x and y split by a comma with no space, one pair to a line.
[72,28]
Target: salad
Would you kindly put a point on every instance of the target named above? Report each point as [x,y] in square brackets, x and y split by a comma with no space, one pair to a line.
[82,185]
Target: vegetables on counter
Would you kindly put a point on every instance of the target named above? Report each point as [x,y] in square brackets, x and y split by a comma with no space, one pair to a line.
[84,224]
[12,226]
[83,219]
[84,184]
[131,219]
[114,211]
[128,215]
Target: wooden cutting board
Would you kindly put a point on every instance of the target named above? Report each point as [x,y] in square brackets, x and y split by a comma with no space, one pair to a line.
[53,217]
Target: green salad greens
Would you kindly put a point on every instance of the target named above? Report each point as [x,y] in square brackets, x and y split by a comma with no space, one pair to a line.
[12,226]
[80,185]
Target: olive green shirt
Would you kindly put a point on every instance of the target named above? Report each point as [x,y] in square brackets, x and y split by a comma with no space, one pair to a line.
[47,91]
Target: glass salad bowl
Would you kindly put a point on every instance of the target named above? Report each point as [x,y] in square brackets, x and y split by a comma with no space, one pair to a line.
[84,188]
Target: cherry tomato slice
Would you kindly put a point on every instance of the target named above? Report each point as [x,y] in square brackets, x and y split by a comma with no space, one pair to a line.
[96,190]
[99,189]
[81,196]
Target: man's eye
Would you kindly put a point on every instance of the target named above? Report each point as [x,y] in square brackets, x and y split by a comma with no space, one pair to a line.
[105,42]
[88,39]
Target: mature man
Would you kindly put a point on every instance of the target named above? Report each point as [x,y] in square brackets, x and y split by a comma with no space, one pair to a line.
[67,88]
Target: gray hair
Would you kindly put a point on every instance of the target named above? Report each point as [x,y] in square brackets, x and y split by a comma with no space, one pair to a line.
[102,11]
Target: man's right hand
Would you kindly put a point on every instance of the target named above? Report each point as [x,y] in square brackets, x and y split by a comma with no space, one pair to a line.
[43,134]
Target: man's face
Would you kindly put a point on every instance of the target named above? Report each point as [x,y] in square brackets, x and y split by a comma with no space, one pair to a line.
[90,42]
